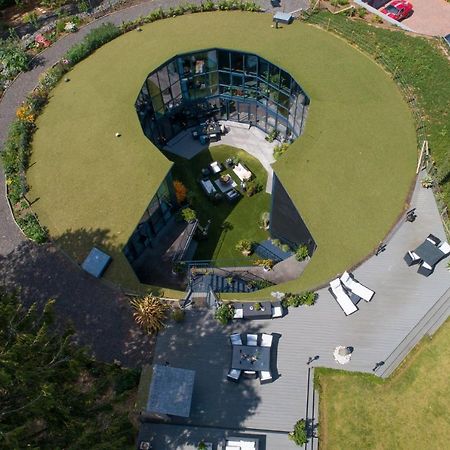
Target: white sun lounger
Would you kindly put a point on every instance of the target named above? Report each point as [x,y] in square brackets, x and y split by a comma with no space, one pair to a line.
[342,298]
[356,287]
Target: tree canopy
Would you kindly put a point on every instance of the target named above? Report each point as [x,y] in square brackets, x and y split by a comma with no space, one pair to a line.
[53,395]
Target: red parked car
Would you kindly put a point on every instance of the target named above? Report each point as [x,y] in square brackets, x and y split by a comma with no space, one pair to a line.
[398,10]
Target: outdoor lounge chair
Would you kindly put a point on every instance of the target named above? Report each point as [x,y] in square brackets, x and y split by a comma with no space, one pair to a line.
[357,288]
[411,258]
[252,340]
[250,374]
[266,340]
[265,377]
[235,339]
[277,310]
[216,167]
[425,269]
[433,239]
[444,247]
[344,301]
[233,375]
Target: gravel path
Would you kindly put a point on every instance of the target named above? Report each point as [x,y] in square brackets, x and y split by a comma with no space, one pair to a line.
[99,312]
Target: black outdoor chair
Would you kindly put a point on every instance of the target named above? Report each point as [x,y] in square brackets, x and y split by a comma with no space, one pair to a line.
[411,258]
[425,271]
[251,374]
[434,239]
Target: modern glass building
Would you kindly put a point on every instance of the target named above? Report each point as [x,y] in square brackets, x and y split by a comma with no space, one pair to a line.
[224,84]
[155,218]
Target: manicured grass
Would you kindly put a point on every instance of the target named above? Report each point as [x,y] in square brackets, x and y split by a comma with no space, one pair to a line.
[241,217]
[408,411]
[348,175]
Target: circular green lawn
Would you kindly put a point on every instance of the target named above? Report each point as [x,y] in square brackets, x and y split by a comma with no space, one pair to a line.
[349,173]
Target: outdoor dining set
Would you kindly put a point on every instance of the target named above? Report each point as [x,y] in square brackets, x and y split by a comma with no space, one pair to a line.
[428,254]
[211,130]
[216,181]
[251,357]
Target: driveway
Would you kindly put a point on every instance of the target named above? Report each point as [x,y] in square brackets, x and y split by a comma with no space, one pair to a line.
[431,17]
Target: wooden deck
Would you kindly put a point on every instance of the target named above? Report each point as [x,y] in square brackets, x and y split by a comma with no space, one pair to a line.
[405,307]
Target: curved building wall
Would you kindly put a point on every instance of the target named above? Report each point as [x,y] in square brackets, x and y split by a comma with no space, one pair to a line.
[225,84]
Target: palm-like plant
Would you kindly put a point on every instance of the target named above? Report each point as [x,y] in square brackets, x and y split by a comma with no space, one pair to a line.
[150,313]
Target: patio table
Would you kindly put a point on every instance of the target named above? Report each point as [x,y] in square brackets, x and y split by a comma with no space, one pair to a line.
[250,312]
[243,354]
[429,253]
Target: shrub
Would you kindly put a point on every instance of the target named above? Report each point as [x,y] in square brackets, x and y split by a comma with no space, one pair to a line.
[253,187]
[301,253]
[362,12]
[266,263]
[280,149]
[126,379]
[244,246]
[264,221]
[150,313]
[299,435]
[32,229]
[224,313]
[13,58]
[188,214]
[178,315]
[180,191]
[93,40]
[307,298]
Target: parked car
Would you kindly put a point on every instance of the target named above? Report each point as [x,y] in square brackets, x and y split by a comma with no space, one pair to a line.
[398,10]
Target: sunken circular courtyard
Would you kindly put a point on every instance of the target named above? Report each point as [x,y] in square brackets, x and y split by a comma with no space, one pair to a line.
[338,188]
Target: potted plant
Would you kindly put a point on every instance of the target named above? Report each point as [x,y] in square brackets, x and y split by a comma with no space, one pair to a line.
[257,306]
[244,246]
[202,445]
[302,253]
[266,264]
[179,268]
[224,313]
[427,182]
[188,214]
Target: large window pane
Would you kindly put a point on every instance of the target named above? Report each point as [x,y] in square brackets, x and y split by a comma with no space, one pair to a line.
[237,61]
[251,64]
[264,69]
[224,59]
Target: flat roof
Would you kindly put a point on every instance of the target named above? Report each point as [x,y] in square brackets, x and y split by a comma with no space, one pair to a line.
[171,391]
[348,174]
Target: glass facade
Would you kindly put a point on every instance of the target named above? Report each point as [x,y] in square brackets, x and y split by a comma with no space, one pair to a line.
[156,216]
[223,84]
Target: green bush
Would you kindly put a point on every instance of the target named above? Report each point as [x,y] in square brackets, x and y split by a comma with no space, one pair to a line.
[126,379]
[13,58]
[93,40]
[299,435]
[301,253]
[280,149]
[188,214]
[32,229]
[178,315]
[307,298]
[224,313]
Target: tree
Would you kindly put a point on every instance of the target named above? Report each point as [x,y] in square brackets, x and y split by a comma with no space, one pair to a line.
[180,191]
[52,394]
[150,313]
